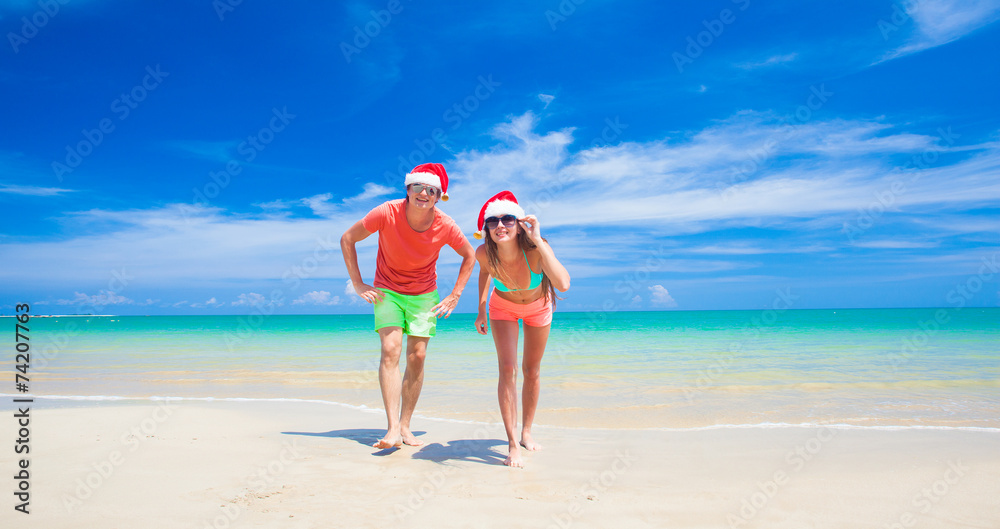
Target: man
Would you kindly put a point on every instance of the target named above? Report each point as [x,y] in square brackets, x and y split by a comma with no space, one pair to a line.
[411,233]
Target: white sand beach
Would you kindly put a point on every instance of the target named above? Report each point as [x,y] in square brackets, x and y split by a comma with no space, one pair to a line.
[294,464]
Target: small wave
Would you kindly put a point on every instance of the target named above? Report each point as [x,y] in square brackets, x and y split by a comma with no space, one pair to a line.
[363,408]
[196,399]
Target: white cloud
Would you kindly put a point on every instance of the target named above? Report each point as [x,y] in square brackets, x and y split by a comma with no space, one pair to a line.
[101,299]
[178,244]
[547,99]
[251,299]
[372,190]
[660,297]
[351,294]
[937,22]
[688,185]
[209,304]
[895,244]
[323,205]
[770,61]
[33,190]
[320,205]
[317,297]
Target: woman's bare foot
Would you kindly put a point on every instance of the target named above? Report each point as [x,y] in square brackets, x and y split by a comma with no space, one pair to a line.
[514,456]
[528,443]
[410,439]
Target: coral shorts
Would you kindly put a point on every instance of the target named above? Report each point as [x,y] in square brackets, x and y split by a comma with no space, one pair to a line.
[538,313]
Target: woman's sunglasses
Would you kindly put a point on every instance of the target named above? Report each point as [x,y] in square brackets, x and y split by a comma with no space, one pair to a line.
[417,188]
[507,220]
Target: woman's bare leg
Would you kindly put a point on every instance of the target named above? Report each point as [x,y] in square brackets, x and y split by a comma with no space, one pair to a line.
[505,335]
[535,339]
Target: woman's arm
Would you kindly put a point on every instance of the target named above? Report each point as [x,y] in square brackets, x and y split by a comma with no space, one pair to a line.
[484,287]
[551,266]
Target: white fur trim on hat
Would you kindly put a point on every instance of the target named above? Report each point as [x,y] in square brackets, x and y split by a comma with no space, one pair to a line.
[499,208]
[430,179]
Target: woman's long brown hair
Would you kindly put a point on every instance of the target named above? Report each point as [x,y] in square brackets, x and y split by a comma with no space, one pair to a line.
[525,244]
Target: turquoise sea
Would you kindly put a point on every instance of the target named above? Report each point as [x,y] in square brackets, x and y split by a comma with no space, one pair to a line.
[879,368]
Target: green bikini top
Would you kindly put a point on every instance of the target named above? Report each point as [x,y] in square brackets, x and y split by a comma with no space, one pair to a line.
[536,279]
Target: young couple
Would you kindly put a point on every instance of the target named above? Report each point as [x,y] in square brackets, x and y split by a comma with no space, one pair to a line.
[525,275]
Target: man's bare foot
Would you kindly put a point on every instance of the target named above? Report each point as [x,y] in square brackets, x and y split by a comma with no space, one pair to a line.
[411,439]
[389,441]
[528,443]
[514,457]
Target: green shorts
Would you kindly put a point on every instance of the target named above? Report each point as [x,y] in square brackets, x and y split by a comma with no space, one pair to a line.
[412,313]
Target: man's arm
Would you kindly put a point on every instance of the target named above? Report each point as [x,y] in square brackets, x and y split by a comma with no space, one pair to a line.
[468,263]
[356,233]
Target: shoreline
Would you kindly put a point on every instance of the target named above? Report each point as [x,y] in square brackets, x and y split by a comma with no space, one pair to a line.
[89,401]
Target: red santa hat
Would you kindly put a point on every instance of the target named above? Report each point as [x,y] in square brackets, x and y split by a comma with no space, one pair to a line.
[431,174]
[502,203]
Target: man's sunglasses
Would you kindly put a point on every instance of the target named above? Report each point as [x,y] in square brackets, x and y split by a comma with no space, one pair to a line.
[431,190]
[507,220]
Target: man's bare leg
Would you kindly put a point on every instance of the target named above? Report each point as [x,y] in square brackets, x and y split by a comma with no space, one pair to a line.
[535,339]
[505,337]
[389,382]
[413,381]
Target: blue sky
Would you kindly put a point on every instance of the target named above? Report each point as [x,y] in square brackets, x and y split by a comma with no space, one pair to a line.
[199,157]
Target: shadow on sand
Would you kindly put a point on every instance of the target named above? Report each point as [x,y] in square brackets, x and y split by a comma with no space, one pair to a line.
[363,436]
[473,450]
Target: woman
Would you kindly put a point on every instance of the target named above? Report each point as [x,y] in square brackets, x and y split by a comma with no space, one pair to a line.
[513,251]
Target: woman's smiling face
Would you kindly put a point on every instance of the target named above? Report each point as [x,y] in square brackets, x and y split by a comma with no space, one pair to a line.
[503,233]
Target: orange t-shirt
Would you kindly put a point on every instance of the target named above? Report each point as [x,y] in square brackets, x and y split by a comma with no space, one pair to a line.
[407,259]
